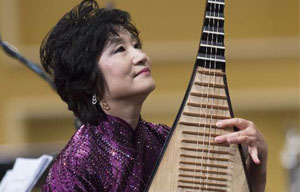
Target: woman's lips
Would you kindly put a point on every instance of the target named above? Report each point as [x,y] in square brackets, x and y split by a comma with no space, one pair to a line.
[144,71]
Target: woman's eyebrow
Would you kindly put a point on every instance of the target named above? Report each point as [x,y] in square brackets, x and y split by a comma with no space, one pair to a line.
[116,41]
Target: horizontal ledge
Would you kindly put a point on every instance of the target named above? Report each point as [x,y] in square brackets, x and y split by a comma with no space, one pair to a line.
[9,152]
[242,100]
[244,48]
[162,103]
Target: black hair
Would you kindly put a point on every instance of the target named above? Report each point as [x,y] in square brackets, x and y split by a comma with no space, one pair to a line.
[71,50]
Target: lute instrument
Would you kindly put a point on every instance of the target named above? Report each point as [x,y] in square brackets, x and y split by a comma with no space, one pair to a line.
[191,160]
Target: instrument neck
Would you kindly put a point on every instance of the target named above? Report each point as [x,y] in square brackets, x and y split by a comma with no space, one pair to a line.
[211,53]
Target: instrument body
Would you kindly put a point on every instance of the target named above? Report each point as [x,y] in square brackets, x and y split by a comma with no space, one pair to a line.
[191,160]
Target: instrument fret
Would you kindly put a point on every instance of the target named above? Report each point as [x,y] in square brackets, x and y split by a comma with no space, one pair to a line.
[204,171]
[213,15]
[221,2]
[203,183]
[204,157]
[203,125]
[205,115]
[204,164]
[209,95]
[216,58]
[208,106]
[213,32]
[205,150]
[200,133]
[215,73]
[212,46]
[203,177]
[199,142]
[205,84]
[202,188]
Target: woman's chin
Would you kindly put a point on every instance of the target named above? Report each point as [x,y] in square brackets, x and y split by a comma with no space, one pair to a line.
[139,92]
[146,88]
[150,86]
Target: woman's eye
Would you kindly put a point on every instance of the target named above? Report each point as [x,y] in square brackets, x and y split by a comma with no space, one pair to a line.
[119,49]
[137,46]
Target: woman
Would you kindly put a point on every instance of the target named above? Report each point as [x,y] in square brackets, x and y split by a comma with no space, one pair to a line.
[101,72]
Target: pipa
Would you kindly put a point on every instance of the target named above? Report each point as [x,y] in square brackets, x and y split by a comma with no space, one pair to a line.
[191,160]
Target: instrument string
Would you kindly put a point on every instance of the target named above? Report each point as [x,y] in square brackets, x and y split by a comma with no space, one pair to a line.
[223,112]
[218,22]
[199,151]
[208,55]
[213,53]
[217,14]
[198,128]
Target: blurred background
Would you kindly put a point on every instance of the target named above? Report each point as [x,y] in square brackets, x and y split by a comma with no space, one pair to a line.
[262,52]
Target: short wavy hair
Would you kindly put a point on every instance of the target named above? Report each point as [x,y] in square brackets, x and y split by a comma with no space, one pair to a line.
[71,50]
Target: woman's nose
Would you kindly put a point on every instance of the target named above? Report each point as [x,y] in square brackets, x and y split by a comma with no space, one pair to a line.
[139,57]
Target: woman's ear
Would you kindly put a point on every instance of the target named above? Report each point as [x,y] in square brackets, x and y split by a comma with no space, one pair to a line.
[104,105]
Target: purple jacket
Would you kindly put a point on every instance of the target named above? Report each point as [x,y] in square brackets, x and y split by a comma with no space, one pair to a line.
[108,157]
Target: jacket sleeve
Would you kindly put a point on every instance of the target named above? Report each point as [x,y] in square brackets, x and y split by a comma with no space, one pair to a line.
[65,177]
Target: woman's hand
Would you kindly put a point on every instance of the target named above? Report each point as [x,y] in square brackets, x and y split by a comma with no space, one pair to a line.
[257,148]
[248,134]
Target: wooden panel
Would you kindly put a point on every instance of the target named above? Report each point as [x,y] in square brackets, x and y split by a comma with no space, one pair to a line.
[193,161]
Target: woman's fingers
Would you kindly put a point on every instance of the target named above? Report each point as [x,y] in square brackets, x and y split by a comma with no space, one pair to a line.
[235,139]
[248,134]
[234,122]
[227,137]
[254,155]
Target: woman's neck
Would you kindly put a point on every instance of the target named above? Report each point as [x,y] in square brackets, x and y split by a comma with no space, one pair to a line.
[128,111]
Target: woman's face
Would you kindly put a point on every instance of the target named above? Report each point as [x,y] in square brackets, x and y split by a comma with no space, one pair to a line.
[126,68]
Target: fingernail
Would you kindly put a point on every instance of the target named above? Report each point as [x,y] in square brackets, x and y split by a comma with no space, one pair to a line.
[218,124]
[257,161]
[217,139]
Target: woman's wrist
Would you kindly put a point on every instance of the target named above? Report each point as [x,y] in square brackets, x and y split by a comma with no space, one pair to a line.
[258,174]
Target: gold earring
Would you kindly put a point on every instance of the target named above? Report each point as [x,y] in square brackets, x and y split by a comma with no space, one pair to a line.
[105,106]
